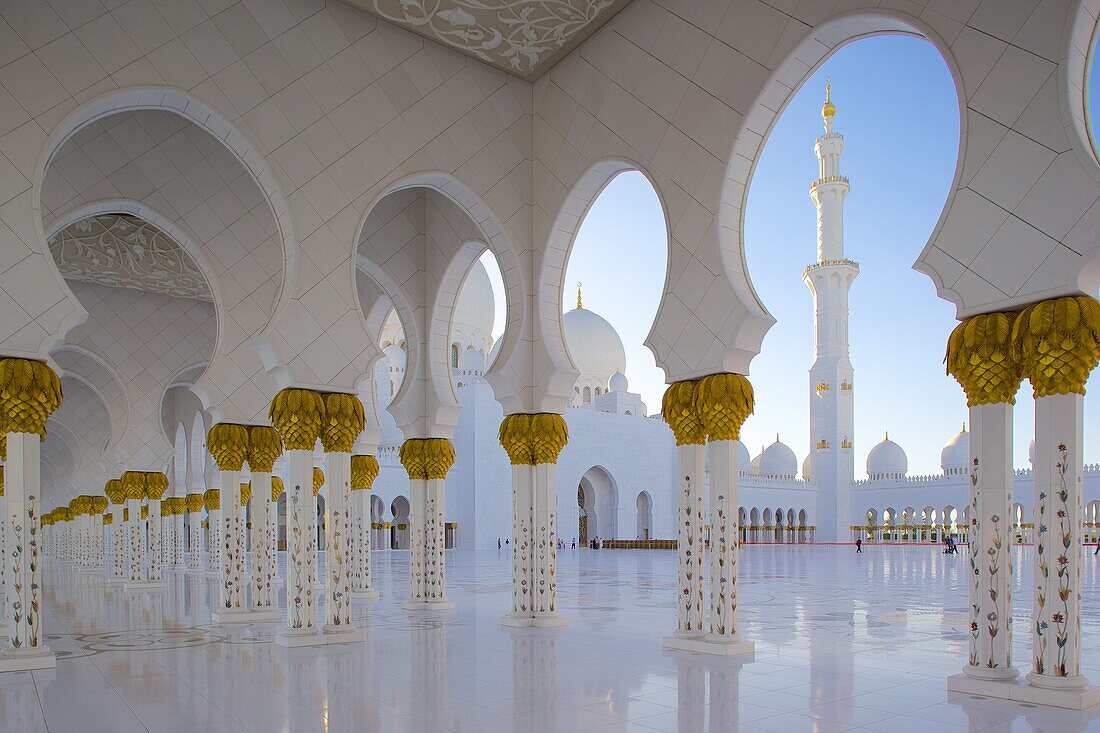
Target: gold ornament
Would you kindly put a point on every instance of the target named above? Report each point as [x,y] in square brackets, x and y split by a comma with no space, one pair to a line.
[276,488]
[212,499]
[981,357]
[364,470]
[165,509]
[194,503]
[3,442]
[1057,343]
[299,415]
[678,409]
[264,447]
[156,485]
[427,458]
[1,480]
[125,515]
[318,480]
[144,511]
[344,421]
[246,493]
[515,437]
[29,393]
[549,434]
[115,491]
[228,444]
[99,504]
[108,519]
[133,483]
[723,402]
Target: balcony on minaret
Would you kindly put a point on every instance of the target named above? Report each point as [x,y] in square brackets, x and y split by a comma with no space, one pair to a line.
[822,388]
[845,444]
[823,445]
[846,387]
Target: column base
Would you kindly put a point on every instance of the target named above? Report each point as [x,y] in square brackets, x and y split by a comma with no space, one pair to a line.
[709,644]
[141,585]
[1080,698]
[25,660]
[369,594]
[294,638]
[265,614]
[412,605]
[243,616]
[538,622]
[1004,674]
[342,634]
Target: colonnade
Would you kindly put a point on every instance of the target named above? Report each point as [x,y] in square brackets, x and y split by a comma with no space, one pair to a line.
[1055,344]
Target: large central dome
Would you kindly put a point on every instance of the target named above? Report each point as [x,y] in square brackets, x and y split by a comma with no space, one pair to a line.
[594,344]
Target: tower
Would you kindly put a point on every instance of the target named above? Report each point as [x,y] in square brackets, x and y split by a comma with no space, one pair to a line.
[831,376]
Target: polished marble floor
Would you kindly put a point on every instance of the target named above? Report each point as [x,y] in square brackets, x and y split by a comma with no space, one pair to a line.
[843,643]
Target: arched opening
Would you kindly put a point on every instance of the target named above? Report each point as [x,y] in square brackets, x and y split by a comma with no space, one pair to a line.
[399,530]
[643,507]
[609,308]
[322,522]
[280,519]
[197,460]
[898,156]
[378,538]
[598,496]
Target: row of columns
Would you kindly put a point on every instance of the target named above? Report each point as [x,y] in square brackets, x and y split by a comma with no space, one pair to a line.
[1055,344]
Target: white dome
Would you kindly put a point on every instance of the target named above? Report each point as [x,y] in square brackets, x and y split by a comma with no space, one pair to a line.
[471,360]
[743,458]
[754,464]
[618,382]
[476,307]
[594,345]
[778,460]
[887,460]
[955,456]
[807,466]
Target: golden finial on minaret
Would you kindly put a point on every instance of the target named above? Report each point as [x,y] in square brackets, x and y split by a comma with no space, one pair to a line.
[828,109]
[579,306]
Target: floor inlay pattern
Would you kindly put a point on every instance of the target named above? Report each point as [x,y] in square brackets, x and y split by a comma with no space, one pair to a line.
[843,643]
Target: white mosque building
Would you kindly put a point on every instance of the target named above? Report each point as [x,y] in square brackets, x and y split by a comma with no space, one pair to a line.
[616,474]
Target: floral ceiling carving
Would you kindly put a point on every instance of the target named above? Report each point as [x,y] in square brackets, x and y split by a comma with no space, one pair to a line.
[124,251]
[522,37]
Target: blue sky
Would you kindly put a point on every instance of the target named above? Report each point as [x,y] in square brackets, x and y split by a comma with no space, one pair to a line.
[898,112]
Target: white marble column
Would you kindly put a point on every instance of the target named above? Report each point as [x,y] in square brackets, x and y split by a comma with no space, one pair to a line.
[231,600]
[338,560]
[156,484]
[427,461]
[725,633]
[263,552]
[213,501]
[194,532]
[523,560]
[990,654]
[134,483]
[1056,613]
[689,546]
[301,624]
[26,648]
[361,589]
[178,527]
[546,544]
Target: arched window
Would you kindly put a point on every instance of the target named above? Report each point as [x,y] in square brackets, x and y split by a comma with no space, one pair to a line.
[454,356]
[597,391]
[587,394]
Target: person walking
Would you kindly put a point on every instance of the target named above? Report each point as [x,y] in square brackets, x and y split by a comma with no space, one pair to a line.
[498,543]
[859,545]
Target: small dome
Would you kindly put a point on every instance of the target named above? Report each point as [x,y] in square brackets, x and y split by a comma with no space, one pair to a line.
[754,464]
[887,460]
[807,464]
[618,382]
[476,307]
[744,461]
[594,344]
[955,456]
[778,460]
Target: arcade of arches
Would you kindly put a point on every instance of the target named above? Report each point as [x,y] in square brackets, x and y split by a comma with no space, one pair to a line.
[246,342]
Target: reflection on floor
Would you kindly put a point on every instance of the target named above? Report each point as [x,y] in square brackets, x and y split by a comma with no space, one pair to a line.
[843,642]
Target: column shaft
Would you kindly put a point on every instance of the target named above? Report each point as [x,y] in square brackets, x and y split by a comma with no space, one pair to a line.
[418,489]
[263,555]
[990,547]
[337,545]
[523,560]
[301,541]
[23,528]
[135,542]
[361,545]
[689,541]
[231,596]
[724,548]
[546,540]
[1056,613]
[154,550]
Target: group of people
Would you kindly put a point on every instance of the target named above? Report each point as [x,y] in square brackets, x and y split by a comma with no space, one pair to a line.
[950,546]
[561,543]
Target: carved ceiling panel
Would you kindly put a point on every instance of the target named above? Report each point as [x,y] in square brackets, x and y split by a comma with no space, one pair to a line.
[124,251]
[522,37]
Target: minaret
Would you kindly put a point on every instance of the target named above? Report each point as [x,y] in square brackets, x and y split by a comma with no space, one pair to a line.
[831,376]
